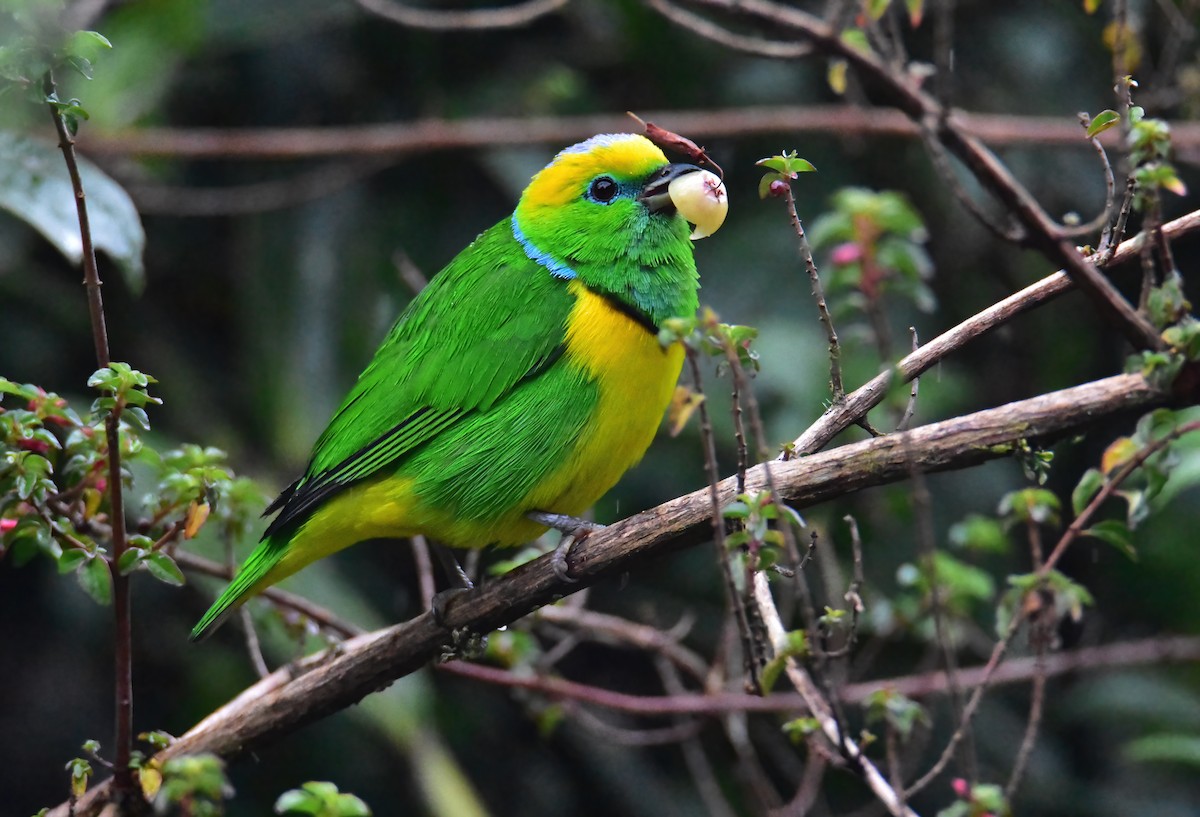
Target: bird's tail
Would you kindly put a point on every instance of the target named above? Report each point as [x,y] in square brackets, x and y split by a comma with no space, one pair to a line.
[248,582]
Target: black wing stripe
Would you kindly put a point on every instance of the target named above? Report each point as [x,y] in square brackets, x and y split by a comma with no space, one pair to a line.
[373,455]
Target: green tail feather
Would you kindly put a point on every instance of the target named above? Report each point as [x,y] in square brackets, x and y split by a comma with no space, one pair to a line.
[243,586]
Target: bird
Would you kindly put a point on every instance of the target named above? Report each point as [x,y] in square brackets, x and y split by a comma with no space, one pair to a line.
[527,376]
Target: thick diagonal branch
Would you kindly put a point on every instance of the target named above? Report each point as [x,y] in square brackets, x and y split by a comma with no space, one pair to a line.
[280,704]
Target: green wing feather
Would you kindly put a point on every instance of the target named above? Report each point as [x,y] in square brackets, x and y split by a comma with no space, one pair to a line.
[491,321]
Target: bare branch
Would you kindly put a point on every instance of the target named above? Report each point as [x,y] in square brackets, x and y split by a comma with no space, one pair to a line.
[437,135]
[514,16]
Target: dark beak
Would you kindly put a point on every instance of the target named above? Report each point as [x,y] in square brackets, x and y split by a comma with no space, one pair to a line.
[654,192]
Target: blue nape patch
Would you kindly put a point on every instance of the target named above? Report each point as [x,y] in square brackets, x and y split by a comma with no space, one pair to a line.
[557,268]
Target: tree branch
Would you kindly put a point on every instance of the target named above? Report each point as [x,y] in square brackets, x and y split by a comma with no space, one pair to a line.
[902,91]
[854,407]
[433,19]
[282,703]
[432,135]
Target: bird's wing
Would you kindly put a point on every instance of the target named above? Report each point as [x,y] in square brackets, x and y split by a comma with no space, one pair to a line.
[489,321]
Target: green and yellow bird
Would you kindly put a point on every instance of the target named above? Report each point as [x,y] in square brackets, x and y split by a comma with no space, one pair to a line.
[527,376]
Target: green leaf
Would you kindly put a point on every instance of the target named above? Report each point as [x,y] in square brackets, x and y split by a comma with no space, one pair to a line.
[297,802]
[980,534]
[348,805]
[1165,748]
[1102,122]
[856,38]
[787,164]
[876,8]
[1089,484]
[71,559]
[96,581]
[1116,533]
[86,44]
[163,568]
[35,187]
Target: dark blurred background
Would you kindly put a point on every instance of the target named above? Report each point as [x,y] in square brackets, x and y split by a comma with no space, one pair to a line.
[258,316]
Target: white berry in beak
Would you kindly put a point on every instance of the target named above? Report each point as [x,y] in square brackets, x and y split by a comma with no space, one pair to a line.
[700,197]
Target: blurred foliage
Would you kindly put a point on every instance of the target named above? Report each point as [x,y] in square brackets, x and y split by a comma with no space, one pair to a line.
[257,316]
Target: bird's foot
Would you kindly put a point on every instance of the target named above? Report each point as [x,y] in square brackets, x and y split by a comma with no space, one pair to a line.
[558,561]
[574,530]
[566,525]
[440,604]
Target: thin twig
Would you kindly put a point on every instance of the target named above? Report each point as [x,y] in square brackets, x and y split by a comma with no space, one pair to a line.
[322,617]
[425,580]
[607,628]
[820,709]
[774,49]
[927,546]
[753,661]
[698,764]
[1100,222]
[818,293]
[1036,705]
[253,647]
[123,782]
[910,407]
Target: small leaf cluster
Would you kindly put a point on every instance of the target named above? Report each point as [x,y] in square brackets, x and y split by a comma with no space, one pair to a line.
[54,483]
[1149,144]
[1169,309]
[706,334]
[1041,593]
[320,799]
[978,800]
[898,713]
[1138,489]
[962,589]
[37,48]
[53,474]
[795,645]
[195,785]
[757,516]
[784,168]
[876,243]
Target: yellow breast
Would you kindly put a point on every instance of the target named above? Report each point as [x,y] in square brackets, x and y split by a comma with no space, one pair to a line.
[635,376]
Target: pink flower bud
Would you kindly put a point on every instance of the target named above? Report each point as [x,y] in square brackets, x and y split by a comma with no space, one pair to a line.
[846,253]
[961,788]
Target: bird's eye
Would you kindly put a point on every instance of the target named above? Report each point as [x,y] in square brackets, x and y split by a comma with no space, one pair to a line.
[603,190]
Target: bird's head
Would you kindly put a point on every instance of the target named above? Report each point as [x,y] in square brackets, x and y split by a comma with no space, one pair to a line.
[615,194]
[614,213]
